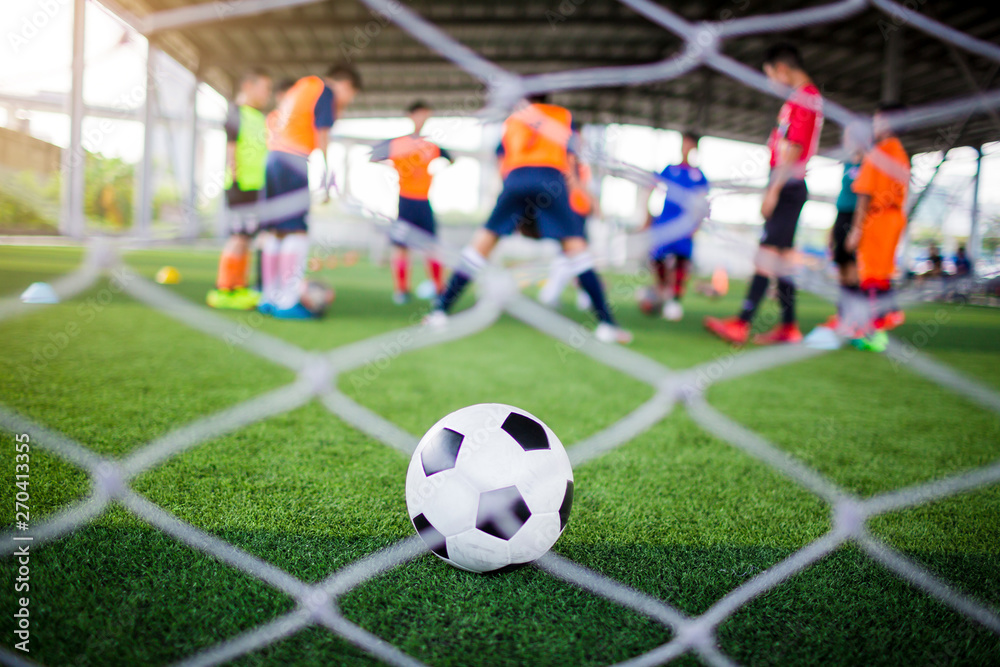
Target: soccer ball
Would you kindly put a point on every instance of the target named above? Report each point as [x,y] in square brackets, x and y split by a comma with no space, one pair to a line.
[316,297]
[489,486]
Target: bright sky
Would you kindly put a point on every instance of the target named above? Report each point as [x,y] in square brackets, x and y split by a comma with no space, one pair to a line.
[35,52]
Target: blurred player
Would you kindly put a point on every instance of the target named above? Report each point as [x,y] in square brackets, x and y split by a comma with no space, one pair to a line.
[411,156]
[583,203]
[685,204]
[301,125]
[879,221]
[536,157]
[246,153]
[280,88]
[792,142]
[845,259]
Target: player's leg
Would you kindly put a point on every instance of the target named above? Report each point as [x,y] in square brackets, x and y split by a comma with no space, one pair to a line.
[560,272]
[270,279]
[846,269]
[658,262]
[559,276]
[400,261]
[267,240]
[292,259]
[231,278]
[287,186]
[786,218]
[435,271]
[876,264]
[672,309]
[509,210]
[474,259]
[581,264]
[549,205]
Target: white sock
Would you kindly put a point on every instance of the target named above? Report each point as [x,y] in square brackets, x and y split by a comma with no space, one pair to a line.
[270,274]
[472,262]
[559,276]
[292,269]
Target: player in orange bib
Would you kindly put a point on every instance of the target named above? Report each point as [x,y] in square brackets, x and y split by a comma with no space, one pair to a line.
[879,221]
[301,125]
[411,157]
[535,155]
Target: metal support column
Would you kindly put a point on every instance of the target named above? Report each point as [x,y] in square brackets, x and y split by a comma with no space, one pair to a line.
[144,200]
[974,247]
[74,158]
[191,219]
[892,72]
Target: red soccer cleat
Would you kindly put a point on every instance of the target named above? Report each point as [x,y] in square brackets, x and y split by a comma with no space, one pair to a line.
[783,333]
[733,330]
[890,321]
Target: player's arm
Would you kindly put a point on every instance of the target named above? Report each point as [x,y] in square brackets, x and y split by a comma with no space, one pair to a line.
[323,142]
[380,152]
[857,225]
[323,118]
[788,154]
[572,173]
[446,155]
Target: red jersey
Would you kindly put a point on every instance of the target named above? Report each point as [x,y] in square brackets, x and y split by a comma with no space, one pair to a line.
[800,121]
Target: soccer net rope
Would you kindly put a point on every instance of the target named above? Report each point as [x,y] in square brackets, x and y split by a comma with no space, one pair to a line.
[317,375]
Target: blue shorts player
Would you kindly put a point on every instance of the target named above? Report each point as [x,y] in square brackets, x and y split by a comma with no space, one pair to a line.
[684,207]
[536,156]
[411,157]
[300,125]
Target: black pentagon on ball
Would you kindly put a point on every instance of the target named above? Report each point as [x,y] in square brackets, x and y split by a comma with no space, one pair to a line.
[434,539]
[441,451]
[526,432]
[567,503]
[502,512]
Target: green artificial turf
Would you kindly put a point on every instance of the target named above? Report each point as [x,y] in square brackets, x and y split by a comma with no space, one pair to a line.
[676,512]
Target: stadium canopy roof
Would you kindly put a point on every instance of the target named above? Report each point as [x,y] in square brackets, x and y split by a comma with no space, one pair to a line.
[857,62]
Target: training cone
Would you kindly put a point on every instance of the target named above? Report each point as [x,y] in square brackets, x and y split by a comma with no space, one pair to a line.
[168,275]
[40,293]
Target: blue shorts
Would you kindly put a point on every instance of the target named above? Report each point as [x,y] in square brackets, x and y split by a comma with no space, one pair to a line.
[538,194]
[679,248]
[579,225]
[286,173]
[418,213]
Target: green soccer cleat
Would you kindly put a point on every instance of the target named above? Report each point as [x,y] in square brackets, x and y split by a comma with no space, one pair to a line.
[241,298]
[875,342]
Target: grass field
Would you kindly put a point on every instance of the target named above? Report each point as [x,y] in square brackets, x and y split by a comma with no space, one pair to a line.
[675,512]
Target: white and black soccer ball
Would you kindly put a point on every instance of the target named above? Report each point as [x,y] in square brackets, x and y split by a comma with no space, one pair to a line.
[316,297]
[489,486]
